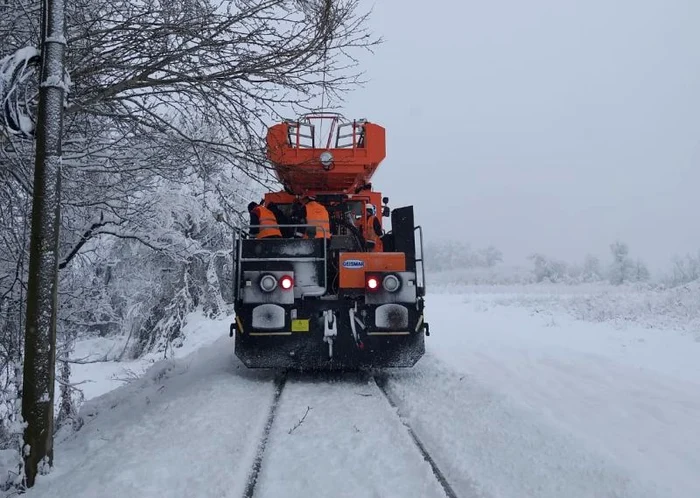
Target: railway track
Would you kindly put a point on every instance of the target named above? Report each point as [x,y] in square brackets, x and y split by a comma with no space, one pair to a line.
[280,382]
[381,382]
[377,380]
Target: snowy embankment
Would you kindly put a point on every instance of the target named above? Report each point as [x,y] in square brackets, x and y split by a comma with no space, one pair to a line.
[101,372]
[516,396]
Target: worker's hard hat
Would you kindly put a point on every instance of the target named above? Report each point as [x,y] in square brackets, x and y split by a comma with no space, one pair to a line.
[370,207]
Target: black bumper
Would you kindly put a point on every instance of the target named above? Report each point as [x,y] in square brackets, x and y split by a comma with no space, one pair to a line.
[370,347]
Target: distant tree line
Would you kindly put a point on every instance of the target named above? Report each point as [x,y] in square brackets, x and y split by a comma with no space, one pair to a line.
[620,269]
[453,254]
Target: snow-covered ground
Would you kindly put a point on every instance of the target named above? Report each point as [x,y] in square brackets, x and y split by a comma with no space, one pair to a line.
[518,395]
[95,379]
[551,406]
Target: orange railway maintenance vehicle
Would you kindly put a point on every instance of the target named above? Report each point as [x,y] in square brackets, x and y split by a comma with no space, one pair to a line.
[329,296]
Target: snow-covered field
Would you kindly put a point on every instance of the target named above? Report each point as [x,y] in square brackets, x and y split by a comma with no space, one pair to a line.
[556,406]
[528,391]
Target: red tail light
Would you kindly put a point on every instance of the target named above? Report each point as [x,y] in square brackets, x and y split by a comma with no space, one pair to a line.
[372,283]
[286,282]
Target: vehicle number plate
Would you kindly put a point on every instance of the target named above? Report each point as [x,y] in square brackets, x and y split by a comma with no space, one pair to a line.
[300,325]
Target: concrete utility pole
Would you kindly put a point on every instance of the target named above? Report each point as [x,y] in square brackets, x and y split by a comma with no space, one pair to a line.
[40,334]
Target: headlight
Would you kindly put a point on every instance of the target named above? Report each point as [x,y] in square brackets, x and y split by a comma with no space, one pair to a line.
[268,283]
[326,158]
[391,283]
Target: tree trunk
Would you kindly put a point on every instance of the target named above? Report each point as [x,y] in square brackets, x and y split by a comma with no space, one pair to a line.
[40,334]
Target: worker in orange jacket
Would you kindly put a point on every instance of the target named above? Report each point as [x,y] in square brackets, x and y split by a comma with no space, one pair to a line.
[260,215]
[373,230]
[316,214]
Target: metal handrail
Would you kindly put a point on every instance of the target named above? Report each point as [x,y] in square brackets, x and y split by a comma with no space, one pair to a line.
[338,124]
[294,135]
[240,259]
[421,259]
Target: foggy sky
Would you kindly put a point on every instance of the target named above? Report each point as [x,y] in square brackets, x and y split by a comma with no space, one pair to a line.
[548,125]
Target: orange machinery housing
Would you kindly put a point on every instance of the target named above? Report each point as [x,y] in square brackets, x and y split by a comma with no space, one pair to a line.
[344,164]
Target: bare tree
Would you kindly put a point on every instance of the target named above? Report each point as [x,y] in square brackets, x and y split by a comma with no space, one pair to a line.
[548,269]
[490,256]
[591,271]
[621,268]
[685,269]
[168,90]
[172,90]
[162,94]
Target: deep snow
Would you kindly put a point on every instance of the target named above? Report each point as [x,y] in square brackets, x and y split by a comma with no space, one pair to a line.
[188,428]
[107,373]
[552,406]
[511,399]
